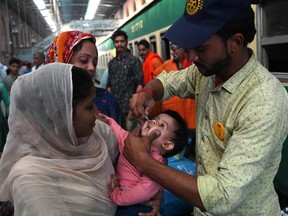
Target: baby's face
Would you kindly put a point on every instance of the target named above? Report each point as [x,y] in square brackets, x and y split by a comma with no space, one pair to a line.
[164,123]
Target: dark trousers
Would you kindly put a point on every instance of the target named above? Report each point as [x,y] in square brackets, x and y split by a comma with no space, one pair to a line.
[132,210]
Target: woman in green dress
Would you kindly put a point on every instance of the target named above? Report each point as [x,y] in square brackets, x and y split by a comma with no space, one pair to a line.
[4,96]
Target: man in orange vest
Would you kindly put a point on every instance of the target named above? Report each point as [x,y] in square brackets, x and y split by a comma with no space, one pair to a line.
[185,107]
[151,60]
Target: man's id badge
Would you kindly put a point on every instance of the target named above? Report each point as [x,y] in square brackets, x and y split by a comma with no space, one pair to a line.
[219,130]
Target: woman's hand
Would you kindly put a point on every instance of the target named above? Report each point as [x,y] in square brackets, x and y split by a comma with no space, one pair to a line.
[113,184]
[155,203]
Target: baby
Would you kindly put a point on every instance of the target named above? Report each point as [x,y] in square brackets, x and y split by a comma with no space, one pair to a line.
[134,188]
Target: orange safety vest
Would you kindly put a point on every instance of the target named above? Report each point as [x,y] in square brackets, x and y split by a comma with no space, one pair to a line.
[148,66]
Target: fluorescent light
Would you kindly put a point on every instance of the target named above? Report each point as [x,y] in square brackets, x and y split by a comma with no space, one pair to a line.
[51,23]
[40,4]
[46,14]
[106,5]
[91,9]
[66,28]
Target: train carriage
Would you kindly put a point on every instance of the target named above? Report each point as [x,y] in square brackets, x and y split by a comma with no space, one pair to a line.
[150,23]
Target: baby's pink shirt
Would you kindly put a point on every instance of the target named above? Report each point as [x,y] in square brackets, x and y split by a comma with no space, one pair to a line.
[134,186]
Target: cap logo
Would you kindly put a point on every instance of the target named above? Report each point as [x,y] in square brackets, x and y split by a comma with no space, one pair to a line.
[193,6]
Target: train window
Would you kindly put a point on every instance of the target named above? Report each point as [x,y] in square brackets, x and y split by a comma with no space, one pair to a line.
[153,45]
[277,57]
[274,18]
[131,48]
[272,28]
[165,48]
[134,6]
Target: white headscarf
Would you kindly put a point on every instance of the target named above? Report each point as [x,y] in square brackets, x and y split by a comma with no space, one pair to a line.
[44,169]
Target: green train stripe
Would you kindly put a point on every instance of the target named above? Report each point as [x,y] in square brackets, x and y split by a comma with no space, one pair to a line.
[159,15]
[152,19]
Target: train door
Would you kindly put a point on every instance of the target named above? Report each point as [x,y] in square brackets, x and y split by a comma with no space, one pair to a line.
[131,48]
[153,45]
[272,29]
[165,48]
[136,53]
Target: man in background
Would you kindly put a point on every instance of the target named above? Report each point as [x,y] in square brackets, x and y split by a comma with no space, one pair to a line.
[151,60]
[39,59]
[3,72]
[12,71]
[125,77]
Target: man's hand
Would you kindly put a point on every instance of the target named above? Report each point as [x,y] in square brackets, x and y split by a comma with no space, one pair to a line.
[141,104]
[137,148]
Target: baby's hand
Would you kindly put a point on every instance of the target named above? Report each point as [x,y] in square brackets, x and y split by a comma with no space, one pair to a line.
[102,118]
[113,184]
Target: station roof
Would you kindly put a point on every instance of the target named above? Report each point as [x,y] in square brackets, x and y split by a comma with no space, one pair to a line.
[65,12]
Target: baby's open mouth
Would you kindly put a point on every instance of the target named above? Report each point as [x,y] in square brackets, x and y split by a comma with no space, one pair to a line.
[146,131]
